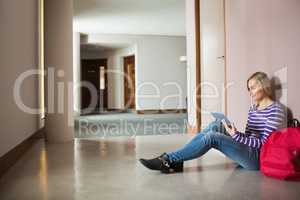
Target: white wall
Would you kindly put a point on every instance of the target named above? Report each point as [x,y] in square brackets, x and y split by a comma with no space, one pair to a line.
[191,61]
[157,64]
[76,73]
[116,78]
[263,35]
[18,53]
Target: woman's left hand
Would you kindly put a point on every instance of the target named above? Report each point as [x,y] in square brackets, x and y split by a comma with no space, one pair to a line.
[230,129]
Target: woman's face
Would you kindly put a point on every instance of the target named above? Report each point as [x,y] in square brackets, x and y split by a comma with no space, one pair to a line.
[256,91]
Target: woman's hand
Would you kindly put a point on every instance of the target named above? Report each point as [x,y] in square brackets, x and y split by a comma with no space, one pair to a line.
[230,129]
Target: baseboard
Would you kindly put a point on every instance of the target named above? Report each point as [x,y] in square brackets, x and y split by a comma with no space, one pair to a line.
[11,157]
[116,110]
[161,111]
[112,110]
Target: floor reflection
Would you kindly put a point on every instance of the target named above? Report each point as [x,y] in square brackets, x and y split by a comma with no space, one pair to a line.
[43,174]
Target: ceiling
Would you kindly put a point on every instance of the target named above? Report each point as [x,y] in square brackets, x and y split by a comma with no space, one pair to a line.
[146,17]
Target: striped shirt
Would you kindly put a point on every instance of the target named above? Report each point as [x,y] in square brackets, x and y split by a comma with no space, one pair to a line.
[260,124]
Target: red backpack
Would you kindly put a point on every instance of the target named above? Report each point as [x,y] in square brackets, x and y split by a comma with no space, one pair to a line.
[280,155]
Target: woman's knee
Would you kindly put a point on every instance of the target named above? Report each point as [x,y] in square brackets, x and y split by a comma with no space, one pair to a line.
[212,136]
[215,126]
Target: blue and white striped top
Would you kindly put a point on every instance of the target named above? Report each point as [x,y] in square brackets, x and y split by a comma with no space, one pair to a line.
[260,124]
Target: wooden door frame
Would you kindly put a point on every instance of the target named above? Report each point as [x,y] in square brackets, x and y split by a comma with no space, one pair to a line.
[198,65]
[124,57]
[198,62]
[225,60]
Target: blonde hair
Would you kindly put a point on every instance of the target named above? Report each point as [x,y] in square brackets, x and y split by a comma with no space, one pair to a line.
[264,81]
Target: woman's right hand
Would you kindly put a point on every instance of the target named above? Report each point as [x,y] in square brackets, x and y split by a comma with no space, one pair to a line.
[231,130]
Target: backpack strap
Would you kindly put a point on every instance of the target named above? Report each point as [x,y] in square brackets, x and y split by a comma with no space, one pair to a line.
[294,123]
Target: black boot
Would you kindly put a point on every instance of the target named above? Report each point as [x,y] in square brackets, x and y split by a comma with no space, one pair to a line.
[163,164]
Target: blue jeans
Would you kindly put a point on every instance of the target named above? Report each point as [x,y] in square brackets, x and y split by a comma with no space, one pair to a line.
[214,136]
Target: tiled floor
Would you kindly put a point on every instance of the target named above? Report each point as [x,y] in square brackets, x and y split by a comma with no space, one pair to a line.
[108,169]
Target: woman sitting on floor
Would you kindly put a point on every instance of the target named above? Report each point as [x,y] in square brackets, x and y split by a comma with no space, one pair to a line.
[264,117]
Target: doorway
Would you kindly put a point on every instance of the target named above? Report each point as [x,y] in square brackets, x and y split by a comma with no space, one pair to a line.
[93,71]
[129,82]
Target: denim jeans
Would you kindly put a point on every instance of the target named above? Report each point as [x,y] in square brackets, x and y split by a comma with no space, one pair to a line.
[215,136]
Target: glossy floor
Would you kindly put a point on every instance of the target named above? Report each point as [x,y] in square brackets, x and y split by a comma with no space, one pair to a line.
[108,169]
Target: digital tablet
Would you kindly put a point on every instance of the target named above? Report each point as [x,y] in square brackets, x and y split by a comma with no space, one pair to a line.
[220,116]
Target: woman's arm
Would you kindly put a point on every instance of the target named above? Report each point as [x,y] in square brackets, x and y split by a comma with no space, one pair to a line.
[273,123]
